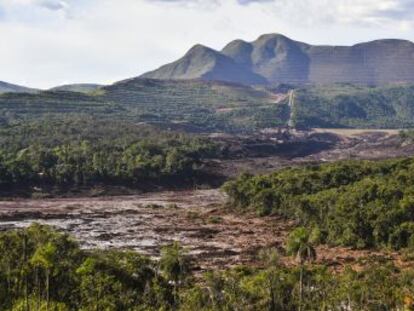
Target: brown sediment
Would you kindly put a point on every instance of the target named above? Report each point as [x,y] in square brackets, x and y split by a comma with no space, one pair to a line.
[214,237]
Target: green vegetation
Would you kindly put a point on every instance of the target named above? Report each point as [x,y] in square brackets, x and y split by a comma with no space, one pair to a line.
[48,271]
[276,288]
[355,106]
[80,88]
[205,106]
[359,204]
[299,244]
[407,136]
[219,106]
[79,152]
[41,269]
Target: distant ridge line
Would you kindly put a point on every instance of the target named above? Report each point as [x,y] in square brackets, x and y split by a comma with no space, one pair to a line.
[275,58]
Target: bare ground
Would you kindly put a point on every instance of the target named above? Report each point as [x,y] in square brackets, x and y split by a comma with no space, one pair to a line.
[215,237]
[316,146]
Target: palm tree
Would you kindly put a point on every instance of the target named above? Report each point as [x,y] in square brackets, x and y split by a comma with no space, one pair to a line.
[175,266]
[300,245]
[271,260]
[44,257]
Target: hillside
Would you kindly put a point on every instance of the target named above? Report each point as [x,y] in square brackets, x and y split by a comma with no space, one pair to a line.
[13,88]
[80,88]
[197,105]
[274,58]
[206,106]
[355,106]
[205,63]
[357,204]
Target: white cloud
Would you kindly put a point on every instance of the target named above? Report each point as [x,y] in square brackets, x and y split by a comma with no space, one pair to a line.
[54,5]
[50,42]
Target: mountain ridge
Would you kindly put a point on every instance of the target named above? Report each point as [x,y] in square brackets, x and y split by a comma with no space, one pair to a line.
[275,58]
[202,62]
[6,87]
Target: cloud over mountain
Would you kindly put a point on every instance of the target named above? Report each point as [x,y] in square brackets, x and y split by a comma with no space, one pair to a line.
[66,38]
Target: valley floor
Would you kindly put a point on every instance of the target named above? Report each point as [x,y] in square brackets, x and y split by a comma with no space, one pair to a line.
[310,147]
[214,237]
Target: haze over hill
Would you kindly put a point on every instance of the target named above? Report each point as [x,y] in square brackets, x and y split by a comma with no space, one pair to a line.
[79,87]
[274,58]
[13,88]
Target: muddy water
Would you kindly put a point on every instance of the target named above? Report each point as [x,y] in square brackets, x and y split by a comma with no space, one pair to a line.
[145,223]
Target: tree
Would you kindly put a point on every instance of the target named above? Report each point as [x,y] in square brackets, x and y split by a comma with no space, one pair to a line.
[175,266]
[45,257]
[300,245]
[34,305]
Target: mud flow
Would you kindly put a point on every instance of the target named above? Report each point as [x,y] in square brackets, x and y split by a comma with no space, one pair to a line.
[214,236]
[145,223]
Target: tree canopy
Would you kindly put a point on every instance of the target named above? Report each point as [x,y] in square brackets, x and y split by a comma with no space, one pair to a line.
[356,203]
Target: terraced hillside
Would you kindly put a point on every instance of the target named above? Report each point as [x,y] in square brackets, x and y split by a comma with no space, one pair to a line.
[210,105]
[16,107]
[202,105]
[218,106]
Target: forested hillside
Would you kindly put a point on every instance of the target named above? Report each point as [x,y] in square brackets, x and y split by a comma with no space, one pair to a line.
[355,106]
[359,204]
[77,152]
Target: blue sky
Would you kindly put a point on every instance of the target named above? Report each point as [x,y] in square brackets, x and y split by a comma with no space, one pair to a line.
[51,42]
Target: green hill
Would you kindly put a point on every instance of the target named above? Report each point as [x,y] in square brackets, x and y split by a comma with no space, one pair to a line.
[219,106]
[356,106]
[358,204]
[206,105]
[13,88]
[80,87]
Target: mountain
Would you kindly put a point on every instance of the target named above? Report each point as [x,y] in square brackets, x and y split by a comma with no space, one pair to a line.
[80,88]
[274,59]
[201,62]
[12,88]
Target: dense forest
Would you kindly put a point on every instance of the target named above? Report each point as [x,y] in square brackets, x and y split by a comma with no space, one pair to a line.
[76,152]
[42,269]
[359,203]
